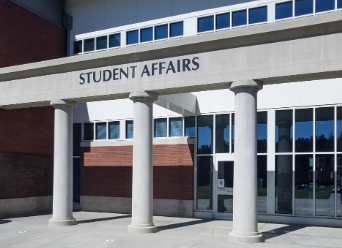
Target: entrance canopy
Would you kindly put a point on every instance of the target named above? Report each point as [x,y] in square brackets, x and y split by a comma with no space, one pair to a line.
[285,51]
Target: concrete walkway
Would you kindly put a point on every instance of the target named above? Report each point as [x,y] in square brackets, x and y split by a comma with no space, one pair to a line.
[101,230]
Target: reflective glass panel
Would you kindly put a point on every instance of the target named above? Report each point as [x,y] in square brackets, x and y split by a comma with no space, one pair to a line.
[161,32]
[205,134]
[160,127]
[225,203]
[114,40]
[258,15]
[101,42]
[204,183]
[339,129]
[225,178]
[303,7]
[205,24]
[262,183]
[132,37]
[114,130]
[101,130]
[88,131]
[239,18]
[325,130]
[284,10]
[339,4]
[77,138]
[89,45]
[223,21]
[262,132]
[189,125]
[233,131]
[176,127]
[304,185]
[325,5]
[339,185]
[304,130]
[283,181]
[324,178]
[284,130]
[129,129]
[77,47]
[76,179]
[176,29]
[146,34]
[222,133]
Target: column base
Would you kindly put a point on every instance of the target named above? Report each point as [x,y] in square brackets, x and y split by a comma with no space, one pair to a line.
[249,238]
[142,228]
[62,222]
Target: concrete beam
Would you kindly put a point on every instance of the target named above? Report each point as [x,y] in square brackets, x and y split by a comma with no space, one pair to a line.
[183,103]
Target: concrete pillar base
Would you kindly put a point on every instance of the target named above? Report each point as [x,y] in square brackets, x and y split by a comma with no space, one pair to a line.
[245,239]
[142,229]
[62,222]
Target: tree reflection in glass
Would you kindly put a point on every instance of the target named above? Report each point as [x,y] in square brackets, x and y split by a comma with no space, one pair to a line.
[205,134]
[324,129]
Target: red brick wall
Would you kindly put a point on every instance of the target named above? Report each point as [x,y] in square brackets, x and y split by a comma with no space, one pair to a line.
[26,37]
[26,135]
[107,171]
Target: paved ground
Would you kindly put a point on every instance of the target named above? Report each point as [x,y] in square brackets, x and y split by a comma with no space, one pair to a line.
[102,230]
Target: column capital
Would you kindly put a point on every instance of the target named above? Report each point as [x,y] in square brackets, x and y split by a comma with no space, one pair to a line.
[143,95]
[57,102]
[239,85]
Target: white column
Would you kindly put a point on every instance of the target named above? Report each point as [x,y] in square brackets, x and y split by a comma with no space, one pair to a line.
[245,229]
[142,186]
[62,163]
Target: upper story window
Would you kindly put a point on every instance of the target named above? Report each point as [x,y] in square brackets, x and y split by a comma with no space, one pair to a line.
[205,24]
[89,45]
[176,127]
[114,40]
[88,131]
[132,37]
[176,29]
[129,129]
[161,32]
[339,4]
[77,47]
[239,18]
[101,42]
[325,5]
[146,34]
[258,15]
[303,7]
[189,126]
[284,10]
[223,21]
[101,130]
[114,130]
[160,127]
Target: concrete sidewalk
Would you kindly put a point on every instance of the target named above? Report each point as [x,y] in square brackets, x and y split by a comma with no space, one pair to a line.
[103,230]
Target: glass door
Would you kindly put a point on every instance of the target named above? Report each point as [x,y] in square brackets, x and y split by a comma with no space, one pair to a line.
[223,187]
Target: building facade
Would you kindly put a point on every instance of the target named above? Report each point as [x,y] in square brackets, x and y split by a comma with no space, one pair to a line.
[201,132]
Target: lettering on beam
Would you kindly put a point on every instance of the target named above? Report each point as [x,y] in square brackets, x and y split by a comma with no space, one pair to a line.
[148,70]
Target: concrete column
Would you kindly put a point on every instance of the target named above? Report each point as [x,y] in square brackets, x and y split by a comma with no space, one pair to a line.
[245,229]
[62,163]
[142,186]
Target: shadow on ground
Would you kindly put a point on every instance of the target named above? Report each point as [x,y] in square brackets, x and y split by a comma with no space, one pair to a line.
[104,219]
[183,224]
[281,231]
[4,221]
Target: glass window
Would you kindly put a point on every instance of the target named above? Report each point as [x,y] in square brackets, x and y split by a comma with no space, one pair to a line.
[223,21]
[284,10]
[284,130]
[226,174]
[325,197]
[77,47]
[339,4]
[160,127]
[205,24]
[114,130]
[283,181]
[262,132]
[161,32]
[204,183]
[101,42]
[339,129]
[304,130]
[205,134]
[240,18]
[176,29]
[101,130]
[189,124]
[222,133]
[146,34]
[325,129]
[76,179]
[129,129]
[176,127]
[89,45]
[339,185]
[88,131]
[304,185]
[114,40]
[77,138]
[303,7]
[325,5]
[262,183]
[233,131]
[258,15]
[132,37]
